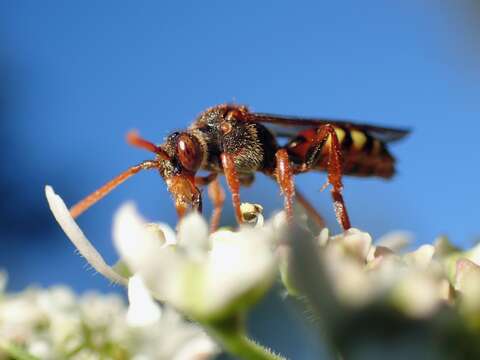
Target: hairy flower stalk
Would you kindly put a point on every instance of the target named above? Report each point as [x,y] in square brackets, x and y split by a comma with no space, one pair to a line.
[369,299]
[75,234]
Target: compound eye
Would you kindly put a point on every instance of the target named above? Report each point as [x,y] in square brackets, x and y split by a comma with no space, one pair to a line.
[189,152]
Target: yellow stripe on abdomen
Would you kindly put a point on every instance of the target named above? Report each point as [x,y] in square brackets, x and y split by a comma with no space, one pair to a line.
[359,139]
[340,135]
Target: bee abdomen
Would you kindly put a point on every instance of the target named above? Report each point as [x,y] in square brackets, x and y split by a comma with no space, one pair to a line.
[363,155]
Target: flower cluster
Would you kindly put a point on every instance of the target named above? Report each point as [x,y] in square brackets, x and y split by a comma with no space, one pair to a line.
[416,283]
[204,276]
[375,300]
[54,323]
[210,278]
[356,288]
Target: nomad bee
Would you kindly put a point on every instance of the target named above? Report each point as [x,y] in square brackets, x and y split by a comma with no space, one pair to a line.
[231,140]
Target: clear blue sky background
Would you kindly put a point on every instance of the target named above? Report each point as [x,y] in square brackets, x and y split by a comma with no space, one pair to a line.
[75,76]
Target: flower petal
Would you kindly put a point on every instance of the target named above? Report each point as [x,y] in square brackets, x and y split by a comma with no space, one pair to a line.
[76,236]
[162,267]
[418,294]
[468,273]
[355,242]
[143,310]
[198,348]
[193,235]
[395,240]
[239,263]
[134,242]
[421,257]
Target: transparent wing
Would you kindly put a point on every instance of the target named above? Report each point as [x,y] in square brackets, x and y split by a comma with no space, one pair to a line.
[289,126]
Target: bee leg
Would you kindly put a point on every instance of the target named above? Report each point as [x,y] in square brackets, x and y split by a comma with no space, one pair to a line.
[334,169]
[284,176]
[205,180]
[310,210]
[217,195]
[233,183]
[91,199]
[246,180]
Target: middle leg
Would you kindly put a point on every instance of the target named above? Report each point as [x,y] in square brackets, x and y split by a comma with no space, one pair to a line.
[309,209]
[233,182]
[217,196]
[284,176]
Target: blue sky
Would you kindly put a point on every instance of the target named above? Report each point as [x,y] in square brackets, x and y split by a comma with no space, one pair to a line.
[76,76]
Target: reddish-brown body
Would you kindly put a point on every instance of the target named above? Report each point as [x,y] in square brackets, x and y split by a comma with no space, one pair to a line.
[232,140]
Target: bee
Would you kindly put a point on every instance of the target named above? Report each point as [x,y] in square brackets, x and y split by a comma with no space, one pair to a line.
[230,139]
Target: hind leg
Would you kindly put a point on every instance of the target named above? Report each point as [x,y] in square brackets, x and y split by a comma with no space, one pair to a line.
[310,210]
[334,169]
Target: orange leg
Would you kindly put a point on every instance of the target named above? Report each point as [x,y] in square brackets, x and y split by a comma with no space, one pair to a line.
[284,175]
[217,195]
[205,180]
[311,211]
[334,170]
[91,199]
[233,183]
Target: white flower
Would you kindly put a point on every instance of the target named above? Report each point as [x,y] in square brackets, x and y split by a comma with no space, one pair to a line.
[145,330]
[422,257]
[40,349]
[355,241]
[142,310]
[362,273]
[467,282]
[75,234]
[395,240]
[418,293]
[54,323]
[201,275]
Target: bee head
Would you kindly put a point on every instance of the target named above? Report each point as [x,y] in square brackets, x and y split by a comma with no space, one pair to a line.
[179,161]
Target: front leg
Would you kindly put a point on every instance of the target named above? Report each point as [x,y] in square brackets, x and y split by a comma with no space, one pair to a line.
[233,182]
[284,176]
[242,153]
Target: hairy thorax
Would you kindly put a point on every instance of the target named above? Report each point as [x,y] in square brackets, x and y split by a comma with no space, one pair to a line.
[221,130]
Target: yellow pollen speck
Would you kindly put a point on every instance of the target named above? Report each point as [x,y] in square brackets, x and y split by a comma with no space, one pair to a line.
[359,139]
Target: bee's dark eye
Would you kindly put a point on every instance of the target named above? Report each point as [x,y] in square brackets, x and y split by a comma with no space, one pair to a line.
[189,152]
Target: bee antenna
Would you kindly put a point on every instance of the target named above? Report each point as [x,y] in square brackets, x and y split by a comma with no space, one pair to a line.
[100,193]
[134,139]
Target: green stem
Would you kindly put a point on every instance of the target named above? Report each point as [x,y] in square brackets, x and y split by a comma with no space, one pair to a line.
[15,351]
[234,340]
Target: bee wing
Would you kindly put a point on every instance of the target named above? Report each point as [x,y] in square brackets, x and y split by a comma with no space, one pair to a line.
[289,126]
